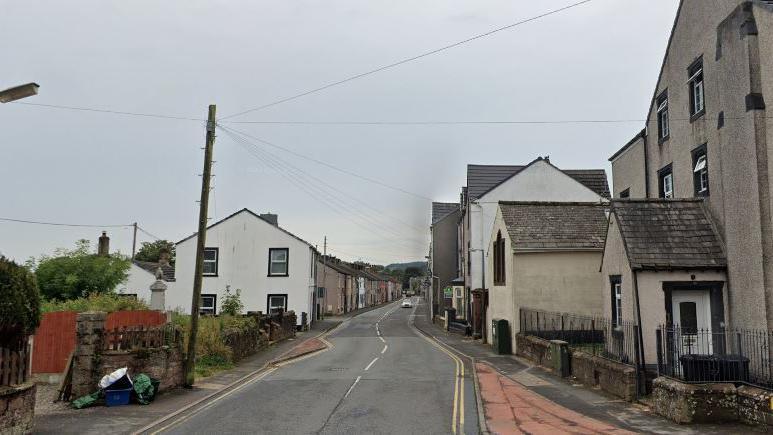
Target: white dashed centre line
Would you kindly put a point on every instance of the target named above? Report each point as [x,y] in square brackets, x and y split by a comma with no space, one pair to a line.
[371,363]
[384,349]
[352,387]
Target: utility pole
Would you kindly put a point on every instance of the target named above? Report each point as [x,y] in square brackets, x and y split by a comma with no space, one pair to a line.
[190,360]
[134,241]
[324,271]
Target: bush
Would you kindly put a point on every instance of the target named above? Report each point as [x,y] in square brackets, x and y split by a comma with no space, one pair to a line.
[19,301]
[232,302]
[108,302]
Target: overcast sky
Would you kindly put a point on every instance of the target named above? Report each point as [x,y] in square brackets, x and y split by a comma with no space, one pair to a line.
[596,61]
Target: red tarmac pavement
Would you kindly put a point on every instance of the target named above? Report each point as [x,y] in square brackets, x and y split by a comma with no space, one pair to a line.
[510,408]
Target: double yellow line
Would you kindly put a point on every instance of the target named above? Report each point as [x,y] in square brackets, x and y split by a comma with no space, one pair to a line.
[457,419]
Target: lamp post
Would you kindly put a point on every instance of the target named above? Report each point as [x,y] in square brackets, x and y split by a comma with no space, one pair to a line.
[19,92]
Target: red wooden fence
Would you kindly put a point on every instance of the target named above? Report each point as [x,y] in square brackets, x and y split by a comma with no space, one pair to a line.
[55,337]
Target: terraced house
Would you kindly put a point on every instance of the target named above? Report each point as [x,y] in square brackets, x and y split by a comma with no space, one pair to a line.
[693,248]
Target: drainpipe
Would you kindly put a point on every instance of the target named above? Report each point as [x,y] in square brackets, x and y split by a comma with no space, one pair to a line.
[641,335]
[646,167]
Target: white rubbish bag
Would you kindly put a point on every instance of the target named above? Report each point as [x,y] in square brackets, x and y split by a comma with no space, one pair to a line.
[110,379]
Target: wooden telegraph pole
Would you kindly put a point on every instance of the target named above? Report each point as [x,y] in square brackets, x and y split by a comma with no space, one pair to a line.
[190,360]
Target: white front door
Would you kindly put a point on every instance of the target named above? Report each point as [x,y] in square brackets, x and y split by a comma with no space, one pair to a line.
[691,310]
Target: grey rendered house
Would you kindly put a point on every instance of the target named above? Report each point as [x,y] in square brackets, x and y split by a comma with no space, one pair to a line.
[443,255]
[694,244]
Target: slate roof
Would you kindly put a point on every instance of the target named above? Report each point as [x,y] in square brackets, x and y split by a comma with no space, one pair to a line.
[668,234]
[482,178]
[442,209]
[151,267]
[555,225]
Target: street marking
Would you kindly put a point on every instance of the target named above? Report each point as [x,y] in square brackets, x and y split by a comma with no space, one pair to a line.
[352,387]
[384,349]
[371,363]
[458,405]
[382,339]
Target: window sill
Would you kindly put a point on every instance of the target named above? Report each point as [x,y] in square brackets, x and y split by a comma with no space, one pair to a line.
[697,116]
[209,275]
[286,275]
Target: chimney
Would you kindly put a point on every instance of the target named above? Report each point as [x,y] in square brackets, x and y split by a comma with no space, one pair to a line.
[163,257]
[103,249]
[271,218]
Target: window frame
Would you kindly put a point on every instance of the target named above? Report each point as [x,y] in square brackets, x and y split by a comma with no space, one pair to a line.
[615,284]
[625,193]
[664,172]
[500,277]
[214,303]
[287,262]
[696,80]
[276,295]
[205,261]
[660,101]
[697,177]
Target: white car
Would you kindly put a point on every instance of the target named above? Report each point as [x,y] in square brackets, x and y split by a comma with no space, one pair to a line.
[406,303]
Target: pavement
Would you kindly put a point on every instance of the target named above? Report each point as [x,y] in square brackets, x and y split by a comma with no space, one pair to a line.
[61,418]
[518,397]
[378,374]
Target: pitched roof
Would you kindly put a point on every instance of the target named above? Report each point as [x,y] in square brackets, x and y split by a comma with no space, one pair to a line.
[255,215]
[555,225]
[668,234]
[483,178]
[151,268]
[442,209]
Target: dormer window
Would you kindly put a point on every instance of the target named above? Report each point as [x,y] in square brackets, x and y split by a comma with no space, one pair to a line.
[695,84]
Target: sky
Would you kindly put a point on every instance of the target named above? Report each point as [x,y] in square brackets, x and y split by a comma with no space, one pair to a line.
[596,61]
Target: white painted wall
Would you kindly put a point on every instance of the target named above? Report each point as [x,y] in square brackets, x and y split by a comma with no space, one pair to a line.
[361,292]
[139,281]
[243,241]
[537,182]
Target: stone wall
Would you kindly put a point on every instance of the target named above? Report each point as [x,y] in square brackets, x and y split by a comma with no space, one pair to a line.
[712,403]
[534,349]
[613,377]
[17,409]
[91,362]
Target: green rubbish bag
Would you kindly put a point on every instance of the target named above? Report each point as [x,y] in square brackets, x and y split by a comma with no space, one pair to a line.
[144,389]
[87,400]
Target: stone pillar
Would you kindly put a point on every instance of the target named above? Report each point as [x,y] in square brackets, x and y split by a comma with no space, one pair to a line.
[89,336]
[158,292]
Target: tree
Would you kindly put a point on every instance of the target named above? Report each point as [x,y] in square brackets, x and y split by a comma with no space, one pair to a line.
[151,251]
[19,302]
[409,273]
[77,273]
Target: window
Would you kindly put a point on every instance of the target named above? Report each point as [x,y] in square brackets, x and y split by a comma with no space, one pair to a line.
[700,171]
[666,182]
[617,299]
[695,84]
[210,261]
[626,193]
[277,303]
[277,261]
[688,317]
[499,260]
[663,127]
[208,304]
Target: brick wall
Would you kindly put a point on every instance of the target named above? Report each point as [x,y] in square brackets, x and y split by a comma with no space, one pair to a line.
[17,409]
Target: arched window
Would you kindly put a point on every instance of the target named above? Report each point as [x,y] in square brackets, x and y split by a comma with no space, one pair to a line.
[499,260]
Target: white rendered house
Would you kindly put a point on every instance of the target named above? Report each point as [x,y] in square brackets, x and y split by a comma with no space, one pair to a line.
[273,268]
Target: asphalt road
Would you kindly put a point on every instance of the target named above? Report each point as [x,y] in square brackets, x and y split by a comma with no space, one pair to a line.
[379,376]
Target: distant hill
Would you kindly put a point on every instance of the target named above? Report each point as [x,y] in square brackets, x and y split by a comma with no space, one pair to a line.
[402,266]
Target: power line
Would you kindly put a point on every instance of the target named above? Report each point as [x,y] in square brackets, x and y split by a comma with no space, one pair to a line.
[579,121]
[25,221]
[344,171]
[147,233]
[114,112]
[410,59]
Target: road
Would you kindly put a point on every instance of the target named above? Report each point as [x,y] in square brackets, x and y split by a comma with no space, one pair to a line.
[379,375]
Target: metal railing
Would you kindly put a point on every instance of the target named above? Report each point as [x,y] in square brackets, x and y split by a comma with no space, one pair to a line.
[741,356]
[600,336]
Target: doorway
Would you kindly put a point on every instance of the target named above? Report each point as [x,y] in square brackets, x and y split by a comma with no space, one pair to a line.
[691,313]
